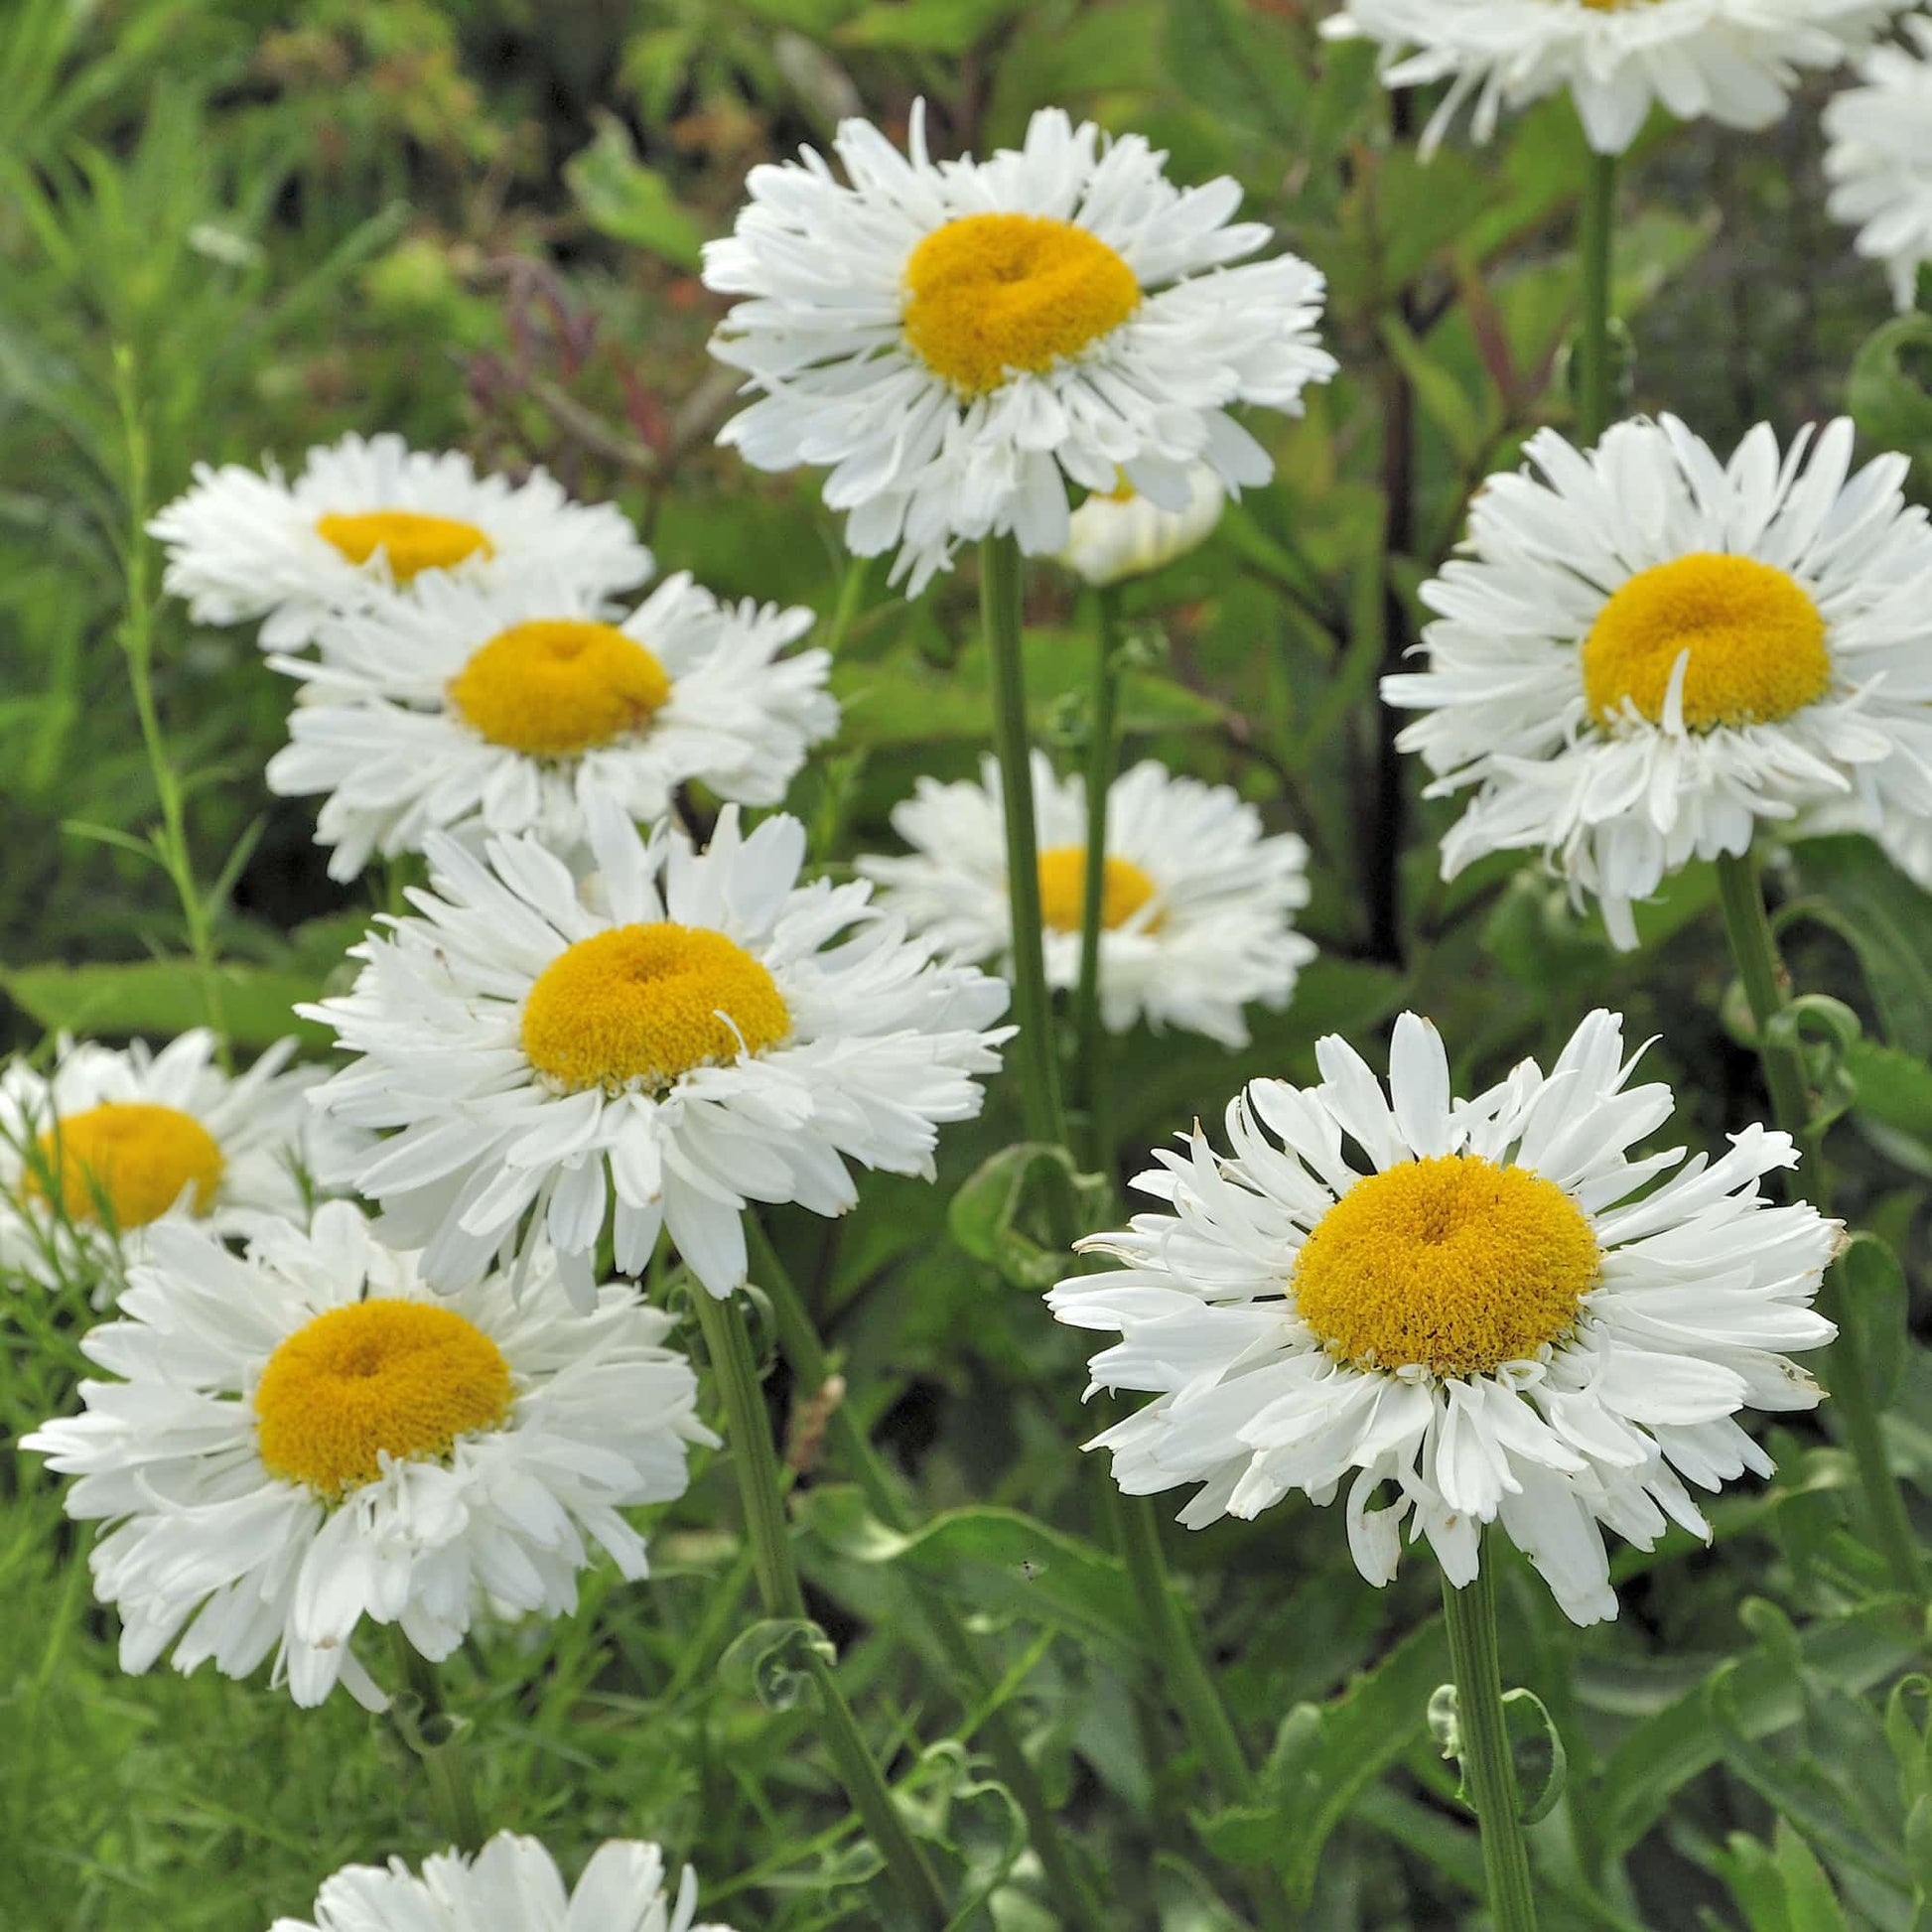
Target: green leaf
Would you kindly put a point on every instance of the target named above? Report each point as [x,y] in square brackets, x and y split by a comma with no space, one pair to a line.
[1852,887]
[1535,1749]
[771,1661]
[1325,1756]
[628,202]
[1449,407]
[932,26]
[902,700]
[984,1215]
[996,1559]
[1889,388]
[1874,1295]
[162,996]
[1665,1752]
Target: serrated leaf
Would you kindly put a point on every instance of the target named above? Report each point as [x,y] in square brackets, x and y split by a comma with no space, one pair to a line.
[1536,1749]
[1324,1755]
[158,998]
[1889,388]
[985,1214]
[1659,1756]
[1887,919]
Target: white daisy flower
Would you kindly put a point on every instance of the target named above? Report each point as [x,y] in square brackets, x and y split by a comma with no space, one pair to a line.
[1119,533]
[1643,654]
[1472,1302]
[1879,161]
[1196,909]
[511,1885]
[959,340]
[371,515]
[309,1437]
[708,1032]
[114,1142]
[510,705]
[1736,61]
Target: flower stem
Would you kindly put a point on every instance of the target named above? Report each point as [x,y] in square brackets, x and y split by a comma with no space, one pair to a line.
[436,1738]
[1755,951]
[799,1337]
[1090,1047]
[1034,1049]
[1488,1772]
[769,1532]
[1594,347]
[170,839]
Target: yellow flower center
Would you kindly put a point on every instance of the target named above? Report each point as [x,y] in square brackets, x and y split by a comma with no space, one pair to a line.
[411,540]
[1756,642]
[559,685]
[1124,889]
[639,1004]
[1452,1264]
[376,1378]
[989,294]
[135,1157]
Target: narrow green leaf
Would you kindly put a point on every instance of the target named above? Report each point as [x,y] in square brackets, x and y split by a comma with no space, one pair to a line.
[160,997]
[628,202]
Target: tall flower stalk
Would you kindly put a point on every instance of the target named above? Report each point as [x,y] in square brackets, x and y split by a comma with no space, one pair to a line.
[768,1533]
[1753,949]
[1090,1057]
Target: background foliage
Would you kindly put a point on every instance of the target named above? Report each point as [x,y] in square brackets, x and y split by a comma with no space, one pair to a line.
[256,228]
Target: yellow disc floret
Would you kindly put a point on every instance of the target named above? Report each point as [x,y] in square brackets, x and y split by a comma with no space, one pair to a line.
[1451,1264]
[137,1157]
[412,540]
[383,1377]
[1755,637]
[639,1004]
[559,685]
[1125,888]
[991,293]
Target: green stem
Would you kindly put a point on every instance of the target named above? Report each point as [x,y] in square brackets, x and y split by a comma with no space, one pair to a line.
[1488,1770]
[1848,1376]
[851,593]
[1033,1050]
[1594,347]
[435,1737]
[798,1338]
[170,842]
[1090,1044]
[729,1344]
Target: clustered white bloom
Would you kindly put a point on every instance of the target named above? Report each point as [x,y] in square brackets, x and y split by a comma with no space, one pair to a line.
[1644,654]
[1472,1304]
[958,340]
[1734,62]
[1879,161]
[513,1883]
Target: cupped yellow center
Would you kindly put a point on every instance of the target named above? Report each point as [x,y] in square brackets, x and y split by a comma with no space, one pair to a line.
[376,1378]
[559,685]
[639,1004]
[1756,642]
[412,540]
[991,293]
[1451,1264]
[1124,890]
[136,1157]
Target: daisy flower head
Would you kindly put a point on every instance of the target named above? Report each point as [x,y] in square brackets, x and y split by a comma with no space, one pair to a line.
[114,1142]
[1196,906]
[688,1033]
[511,1882]
[367,515]
[1119,533]
[508,705]
[1879,158]
[957,340]
[1467,1308]
[1642,653]
[1736,61]
[307,1437]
